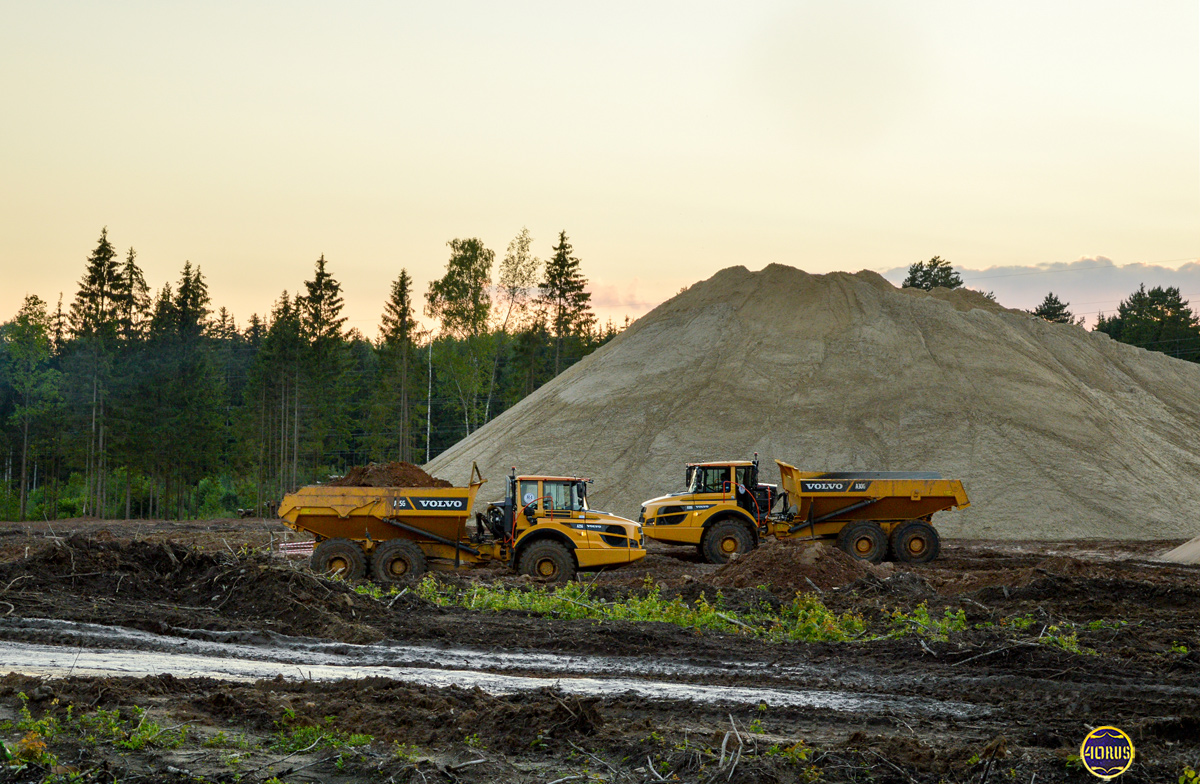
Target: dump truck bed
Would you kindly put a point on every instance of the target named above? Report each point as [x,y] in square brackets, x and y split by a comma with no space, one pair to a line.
[830,497]
[363,513]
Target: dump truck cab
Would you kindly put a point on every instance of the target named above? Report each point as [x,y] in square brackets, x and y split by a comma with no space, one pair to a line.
[870,515]
[543,528]
[550,532]
[722,512]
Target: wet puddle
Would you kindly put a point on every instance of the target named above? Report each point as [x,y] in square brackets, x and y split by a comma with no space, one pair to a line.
[107,654]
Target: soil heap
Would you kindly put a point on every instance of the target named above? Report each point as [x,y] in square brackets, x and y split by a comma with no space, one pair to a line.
[789,566]
[388,475]
[1056,432]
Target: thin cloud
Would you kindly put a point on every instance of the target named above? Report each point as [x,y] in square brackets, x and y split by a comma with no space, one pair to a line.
[625,299]
[1092,285]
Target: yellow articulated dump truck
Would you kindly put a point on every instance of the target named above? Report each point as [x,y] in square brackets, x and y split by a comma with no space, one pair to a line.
[726,511]
[542,528]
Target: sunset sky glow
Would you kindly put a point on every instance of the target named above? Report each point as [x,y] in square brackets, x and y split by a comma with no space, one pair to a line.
[668,139]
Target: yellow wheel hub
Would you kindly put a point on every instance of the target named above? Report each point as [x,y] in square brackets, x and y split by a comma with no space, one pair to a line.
[546,568]
[339,564]
[729,545]
[863,545]
[916,545]
[398,567]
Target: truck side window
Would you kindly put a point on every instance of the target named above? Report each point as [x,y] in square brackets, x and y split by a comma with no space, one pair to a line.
[529,495]
[744,477]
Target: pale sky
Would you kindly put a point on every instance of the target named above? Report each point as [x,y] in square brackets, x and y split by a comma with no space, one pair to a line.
[669,140]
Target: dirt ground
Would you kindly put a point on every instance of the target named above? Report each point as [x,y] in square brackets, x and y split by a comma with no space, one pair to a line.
[1058,638]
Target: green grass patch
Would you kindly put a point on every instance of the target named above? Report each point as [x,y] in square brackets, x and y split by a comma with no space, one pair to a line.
[288,738]
[804,619]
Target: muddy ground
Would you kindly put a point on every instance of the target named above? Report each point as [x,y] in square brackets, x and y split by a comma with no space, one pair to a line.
[203,629]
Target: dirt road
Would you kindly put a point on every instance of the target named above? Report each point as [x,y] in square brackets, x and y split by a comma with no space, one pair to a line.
[989,665]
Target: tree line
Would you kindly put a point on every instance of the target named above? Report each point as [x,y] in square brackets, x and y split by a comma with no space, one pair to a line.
[139,403]
[1159,319]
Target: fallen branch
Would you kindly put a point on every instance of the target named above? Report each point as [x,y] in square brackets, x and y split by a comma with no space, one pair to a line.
[565,706]
[466,764]
[397,596]
[989,653]
[288,757]
[894,766]
[15,580]
[581,604]
[592,756]
[733,620]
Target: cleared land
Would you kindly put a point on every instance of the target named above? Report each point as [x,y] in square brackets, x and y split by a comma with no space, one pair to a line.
[178,651]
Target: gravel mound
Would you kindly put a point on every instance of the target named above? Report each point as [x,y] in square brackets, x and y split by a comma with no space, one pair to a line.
[1056,432]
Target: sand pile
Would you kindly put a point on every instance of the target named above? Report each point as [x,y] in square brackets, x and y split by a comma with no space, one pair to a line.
[1186,553]
[789,566]
[1056,432]
[388,475]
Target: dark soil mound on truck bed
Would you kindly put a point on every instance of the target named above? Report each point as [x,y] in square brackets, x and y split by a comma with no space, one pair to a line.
[389,475]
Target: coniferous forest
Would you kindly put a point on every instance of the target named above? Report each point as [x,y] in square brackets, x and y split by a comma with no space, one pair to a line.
[126,401]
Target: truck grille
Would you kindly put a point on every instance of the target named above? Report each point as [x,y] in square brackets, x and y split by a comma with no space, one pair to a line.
[615,536]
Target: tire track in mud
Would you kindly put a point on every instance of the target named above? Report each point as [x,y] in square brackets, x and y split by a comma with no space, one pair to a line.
[54,648]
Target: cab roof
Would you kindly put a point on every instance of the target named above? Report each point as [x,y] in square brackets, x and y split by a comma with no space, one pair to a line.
[538,477]
[718,463]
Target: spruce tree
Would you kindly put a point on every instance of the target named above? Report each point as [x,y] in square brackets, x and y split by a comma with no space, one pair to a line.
[93,313]
[1054,309]
[565,297]
[94,326]
[131,298]
[322,306]
[320,382]
[1159,319]
[396,347]
[932,274]
[398,321]
[191,303]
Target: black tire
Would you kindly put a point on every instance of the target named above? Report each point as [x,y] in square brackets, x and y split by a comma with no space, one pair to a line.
[398,561]
[341,557]
[915,542]
[724,539]
[863,541]
[547,561]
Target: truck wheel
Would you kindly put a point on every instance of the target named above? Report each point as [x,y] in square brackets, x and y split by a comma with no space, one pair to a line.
[547,561]
[863,541]
[340,557]
[398,560]
[915,542]
[724,540]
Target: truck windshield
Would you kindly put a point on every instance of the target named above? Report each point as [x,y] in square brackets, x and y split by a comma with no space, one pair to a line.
[565,495]
[709,479]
